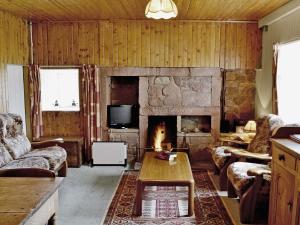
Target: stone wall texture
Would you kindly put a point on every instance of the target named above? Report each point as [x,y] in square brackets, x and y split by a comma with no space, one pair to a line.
[239,95]
[180,91]
[180,95]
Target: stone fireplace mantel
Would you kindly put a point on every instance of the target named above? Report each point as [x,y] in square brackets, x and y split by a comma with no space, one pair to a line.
[159,71]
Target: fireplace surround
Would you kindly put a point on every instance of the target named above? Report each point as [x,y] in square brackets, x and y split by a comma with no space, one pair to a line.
[179,92]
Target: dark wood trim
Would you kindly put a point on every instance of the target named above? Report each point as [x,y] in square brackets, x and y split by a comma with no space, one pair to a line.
[223,173]
[248,201]
[26,172]
[231,190]
[62,170]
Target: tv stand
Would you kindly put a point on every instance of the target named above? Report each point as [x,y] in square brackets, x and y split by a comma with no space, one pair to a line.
[123,128]
[128,135]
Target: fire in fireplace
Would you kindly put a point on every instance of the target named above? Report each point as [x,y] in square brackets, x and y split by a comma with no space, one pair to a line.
[159,136]
[162,132]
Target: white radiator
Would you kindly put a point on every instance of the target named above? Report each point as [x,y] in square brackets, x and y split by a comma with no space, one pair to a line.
[109,153]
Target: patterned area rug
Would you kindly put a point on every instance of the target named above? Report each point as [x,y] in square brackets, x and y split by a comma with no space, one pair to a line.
[167,205]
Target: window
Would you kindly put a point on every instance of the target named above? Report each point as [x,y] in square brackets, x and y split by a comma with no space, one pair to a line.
[288,82]
[60,89]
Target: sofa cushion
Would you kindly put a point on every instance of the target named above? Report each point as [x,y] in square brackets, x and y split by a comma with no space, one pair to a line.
[265,126]
[219,156]
[237,174]
[55,155]
[5,157]
[12,136]
[33,162]
[17,146]
[11,125]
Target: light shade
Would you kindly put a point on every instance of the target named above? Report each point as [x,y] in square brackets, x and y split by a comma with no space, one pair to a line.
[250,126]
[161,9]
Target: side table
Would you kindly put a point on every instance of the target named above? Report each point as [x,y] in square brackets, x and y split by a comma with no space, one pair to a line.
[236,139]
[73,146]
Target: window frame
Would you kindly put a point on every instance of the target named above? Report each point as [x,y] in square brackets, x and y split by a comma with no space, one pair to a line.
[279,78]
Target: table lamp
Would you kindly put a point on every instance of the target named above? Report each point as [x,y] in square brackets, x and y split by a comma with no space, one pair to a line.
[250,126]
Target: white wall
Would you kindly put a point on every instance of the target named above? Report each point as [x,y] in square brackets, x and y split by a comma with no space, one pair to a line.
[286,29]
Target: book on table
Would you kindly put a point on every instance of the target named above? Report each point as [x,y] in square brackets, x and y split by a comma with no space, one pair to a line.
[166,155]
[295,137]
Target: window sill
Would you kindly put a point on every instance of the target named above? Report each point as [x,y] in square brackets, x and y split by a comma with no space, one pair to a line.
[61,110]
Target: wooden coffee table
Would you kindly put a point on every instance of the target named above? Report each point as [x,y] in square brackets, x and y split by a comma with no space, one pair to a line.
[157,172]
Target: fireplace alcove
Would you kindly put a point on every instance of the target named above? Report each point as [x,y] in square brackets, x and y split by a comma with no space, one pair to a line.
[170,131]
[163,92]
[194,124]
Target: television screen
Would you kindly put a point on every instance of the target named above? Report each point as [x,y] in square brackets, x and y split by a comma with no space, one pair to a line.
[121,116]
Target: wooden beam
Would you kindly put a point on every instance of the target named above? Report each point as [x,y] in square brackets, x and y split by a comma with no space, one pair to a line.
[280,13]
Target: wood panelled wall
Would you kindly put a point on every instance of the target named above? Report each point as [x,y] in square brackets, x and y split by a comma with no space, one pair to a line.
[62,124]
[145,43]
[14,49]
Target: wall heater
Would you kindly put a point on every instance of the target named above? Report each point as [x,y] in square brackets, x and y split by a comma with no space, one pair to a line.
[109,153]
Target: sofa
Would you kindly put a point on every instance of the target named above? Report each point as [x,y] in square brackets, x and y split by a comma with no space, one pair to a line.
[17,153]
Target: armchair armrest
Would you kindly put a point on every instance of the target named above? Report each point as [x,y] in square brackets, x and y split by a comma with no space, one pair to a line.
[239,153]
[258,172]
[230,149]
[26,172]
[47,143]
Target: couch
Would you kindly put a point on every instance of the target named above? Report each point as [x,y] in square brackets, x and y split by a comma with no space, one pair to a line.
[17,153]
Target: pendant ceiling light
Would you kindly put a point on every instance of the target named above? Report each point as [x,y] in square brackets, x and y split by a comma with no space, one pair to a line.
[161,9]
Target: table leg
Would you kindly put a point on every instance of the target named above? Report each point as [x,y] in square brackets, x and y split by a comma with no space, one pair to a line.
[191,199]
[52,220]
[139,199]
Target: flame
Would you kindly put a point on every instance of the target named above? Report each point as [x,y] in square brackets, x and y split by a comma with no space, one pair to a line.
[159,136]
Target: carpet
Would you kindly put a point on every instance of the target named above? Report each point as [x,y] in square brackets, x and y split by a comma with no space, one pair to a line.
[167,205]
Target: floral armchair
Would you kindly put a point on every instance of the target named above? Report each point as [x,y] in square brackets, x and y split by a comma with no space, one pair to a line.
[251,181]
[17,153]
[259,148]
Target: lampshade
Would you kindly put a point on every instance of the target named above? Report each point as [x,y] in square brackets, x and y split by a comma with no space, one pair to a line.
[250,126]
[161,9]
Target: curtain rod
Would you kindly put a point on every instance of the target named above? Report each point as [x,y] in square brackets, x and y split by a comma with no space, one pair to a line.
[61,66]
[30,43]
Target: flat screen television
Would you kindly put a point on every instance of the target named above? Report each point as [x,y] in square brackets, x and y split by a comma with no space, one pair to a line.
[122,116]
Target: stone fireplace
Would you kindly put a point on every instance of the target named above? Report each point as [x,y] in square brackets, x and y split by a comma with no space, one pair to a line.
[191,95]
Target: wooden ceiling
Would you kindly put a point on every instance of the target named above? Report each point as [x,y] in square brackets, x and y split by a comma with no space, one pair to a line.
[65,10]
